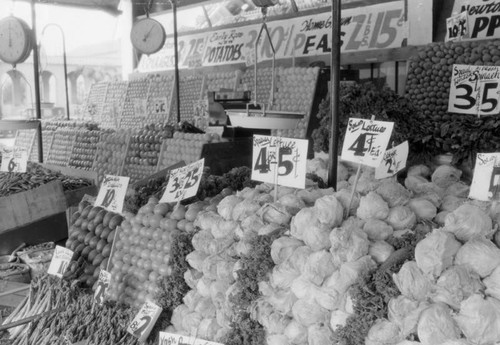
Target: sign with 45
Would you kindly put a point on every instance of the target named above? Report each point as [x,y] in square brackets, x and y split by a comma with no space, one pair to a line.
[184,182]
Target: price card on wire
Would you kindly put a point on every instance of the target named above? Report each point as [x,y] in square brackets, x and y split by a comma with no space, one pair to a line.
[102,286]
[112,193]
[160,106]
[485,184]
[184,182]
[14,160]
[279,160]
[394,161]
[457,27]
[60,261]
[144,321]
[474,90]
[176,339]
[366,140]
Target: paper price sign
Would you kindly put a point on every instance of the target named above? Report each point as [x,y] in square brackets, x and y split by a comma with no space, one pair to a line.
[60,261]
[486,181]
[102,286]
[14,161]
[176,339]
[184,182]
[279,160]
[474,90]
[112,193]
[457,27]
[394,161]
[140,107]
[160,106]
[366,140]
[143,322]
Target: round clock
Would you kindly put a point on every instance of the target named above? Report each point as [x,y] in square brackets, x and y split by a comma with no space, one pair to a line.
[148,35]
[16,40]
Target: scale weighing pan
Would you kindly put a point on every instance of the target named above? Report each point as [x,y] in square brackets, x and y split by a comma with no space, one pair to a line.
[270,119]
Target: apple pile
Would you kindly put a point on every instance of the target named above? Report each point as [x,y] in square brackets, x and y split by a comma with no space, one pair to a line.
[95,101]
[185,147]
[219,80]
[190,90]
[111,152]
[24,139]
[264,81]
[160,89]
[295,93]
[91,236]
[84,150]
[143,249]
[137,92]
[142,155]
[115,97]
[61,147]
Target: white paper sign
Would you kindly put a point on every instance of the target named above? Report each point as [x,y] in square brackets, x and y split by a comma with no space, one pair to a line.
[112,193]
[486,181]
[60,261]
[160,106]
[474,90]
[102,286]
[394,161]
[144,321]
[279,160]
[365,141]
[184,182]
[14,160]
[457,27]
[176,339]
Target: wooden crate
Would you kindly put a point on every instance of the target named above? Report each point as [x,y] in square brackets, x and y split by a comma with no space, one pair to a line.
[27,207]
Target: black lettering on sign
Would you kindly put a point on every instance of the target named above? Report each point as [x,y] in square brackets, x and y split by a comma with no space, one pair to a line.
[12,165]
[62,267]
[309,44]
[99,292]
[109,197]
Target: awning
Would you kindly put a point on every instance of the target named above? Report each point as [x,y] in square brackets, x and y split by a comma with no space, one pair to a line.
[105,5]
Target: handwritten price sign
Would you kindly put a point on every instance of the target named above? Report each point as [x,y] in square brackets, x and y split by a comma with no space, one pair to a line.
[474,90]
[394,161]
[102,286]
[112,193]
[15,160]
[143,322]
[60,261]
[486,181]
[160,106]
[279,160]
[366,141]
[176,339]
[457,27]
[184,182]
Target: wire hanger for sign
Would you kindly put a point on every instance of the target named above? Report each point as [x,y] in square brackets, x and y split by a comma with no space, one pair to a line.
[147,7]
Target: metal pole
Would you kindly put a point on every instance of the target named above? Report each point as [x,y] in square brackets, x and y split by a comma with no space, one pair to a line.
[65,63]
[334,94]
[176,57]
[38,106]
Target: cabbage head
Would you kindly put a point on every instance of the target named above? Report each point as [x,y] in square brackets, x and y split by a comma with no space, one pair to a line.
[492,284]
[480,254]
[468,221]
[383,332]
[412,282]
[436,325]
[401,217]
[348,245]
[436,252]
[372,206]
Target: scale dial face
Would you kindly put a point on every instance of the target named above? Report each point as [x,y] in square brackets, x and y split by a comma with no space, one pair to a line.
[15,40]
[148,36]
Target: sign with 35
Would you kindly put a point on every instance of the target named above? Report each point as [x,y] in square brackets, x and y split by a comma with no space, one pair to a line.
[184,182]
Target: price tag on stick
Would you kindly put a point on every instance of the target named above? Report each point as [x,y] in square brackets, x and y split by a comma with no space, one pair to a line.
[485,184]
[102,286]
[457,27]
[474,90]
[144,321]
[394,161]
[14,160]
[366,140]
[279,160]
[60,261]
[112,193]
[184,182]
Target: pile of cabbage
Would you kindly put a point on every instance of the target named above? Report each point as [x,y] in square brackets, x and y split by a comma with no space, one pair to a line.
[224,236]
[450,293]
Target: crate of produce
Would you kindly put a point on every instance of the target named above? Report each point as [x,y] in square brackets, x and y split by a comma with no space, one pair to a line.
[159,98]
[111,153]
[61,147]
[84,150]
[135,106]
